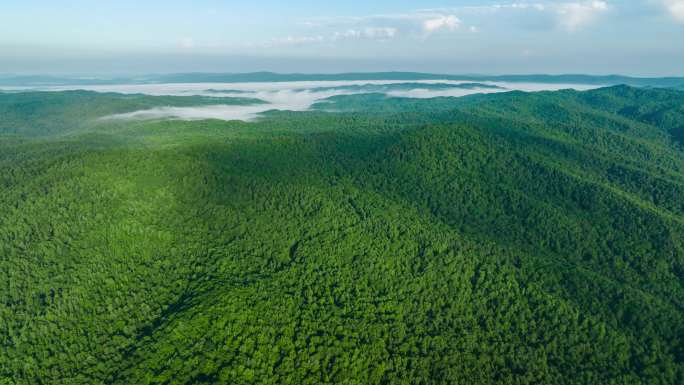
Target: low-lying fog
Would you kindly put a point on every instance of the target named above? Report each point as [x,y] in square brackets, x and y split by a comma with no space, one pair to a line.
[298,96]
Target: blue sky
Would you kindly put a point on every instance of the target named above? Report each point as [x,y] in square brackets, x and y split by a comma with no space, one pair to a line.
[637,37]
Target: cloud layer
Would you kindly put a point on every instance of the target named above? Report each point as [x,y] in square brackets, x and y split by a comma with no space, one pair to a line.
[296,96]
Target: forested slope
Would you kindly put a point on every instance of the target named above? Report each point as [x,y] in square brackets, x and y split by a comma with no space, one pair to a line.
[510,238]
[55,113]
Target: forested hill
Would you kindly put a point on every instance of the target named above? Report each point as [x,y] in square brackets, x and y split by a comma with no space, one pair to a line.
[513,238]
[58,113]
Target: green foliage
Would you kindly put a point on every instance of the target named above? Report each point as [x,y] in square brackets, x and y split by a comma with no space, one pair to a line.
[514,238]
[49,113]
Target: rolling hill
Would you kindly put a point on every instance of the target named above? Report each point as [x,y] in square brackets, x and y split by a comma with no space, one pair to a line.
[519,238]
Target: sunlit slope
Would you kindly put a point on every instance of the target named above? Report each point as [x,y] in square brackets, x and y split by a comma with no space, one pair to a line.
[513,238]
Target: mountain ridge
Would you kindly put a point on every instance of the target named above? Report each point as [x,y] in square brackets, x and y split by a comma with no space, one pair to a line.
[200,77]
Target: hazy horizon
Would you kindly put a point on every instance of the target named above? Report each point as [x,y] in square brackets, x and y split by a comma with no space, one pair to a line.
[133,75]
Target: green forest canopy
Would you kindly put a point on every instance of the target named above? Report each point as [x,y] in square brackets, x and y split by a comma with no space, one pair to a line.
[509,238]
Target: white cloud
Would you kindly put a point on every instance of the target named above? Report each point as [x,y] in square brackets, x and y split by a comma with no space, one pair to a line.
[675,8]
[421,24]
[380,33]
[186,42]
[568,15]
[447,22]
[574,15]
[496,7]
[388,26]
[296,40]
[372,33]
[368,33]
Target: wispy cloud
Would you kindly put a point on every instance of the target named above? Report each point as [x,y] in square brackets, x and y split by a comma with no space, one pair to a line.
[443,22]
[675,8]
[379,28]
[575,15]
[372,33]
[368,33]
[569,15]
[186,42]
[296,40]
[387,26]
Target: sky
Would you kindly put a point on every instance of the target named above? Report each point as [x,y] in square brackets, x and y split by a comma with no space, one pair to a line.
[631,37]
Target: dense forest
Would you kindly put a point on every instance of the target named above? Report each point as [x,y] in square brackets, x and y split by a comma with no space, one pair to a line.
[513,238]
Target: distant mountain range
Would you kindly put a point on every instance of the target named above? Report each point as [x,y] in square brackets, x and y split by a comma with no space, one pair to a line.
[42,81]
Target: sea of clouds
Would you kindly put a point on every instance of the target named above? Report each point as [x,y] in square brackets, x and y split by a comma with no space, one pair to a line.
[286,96]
